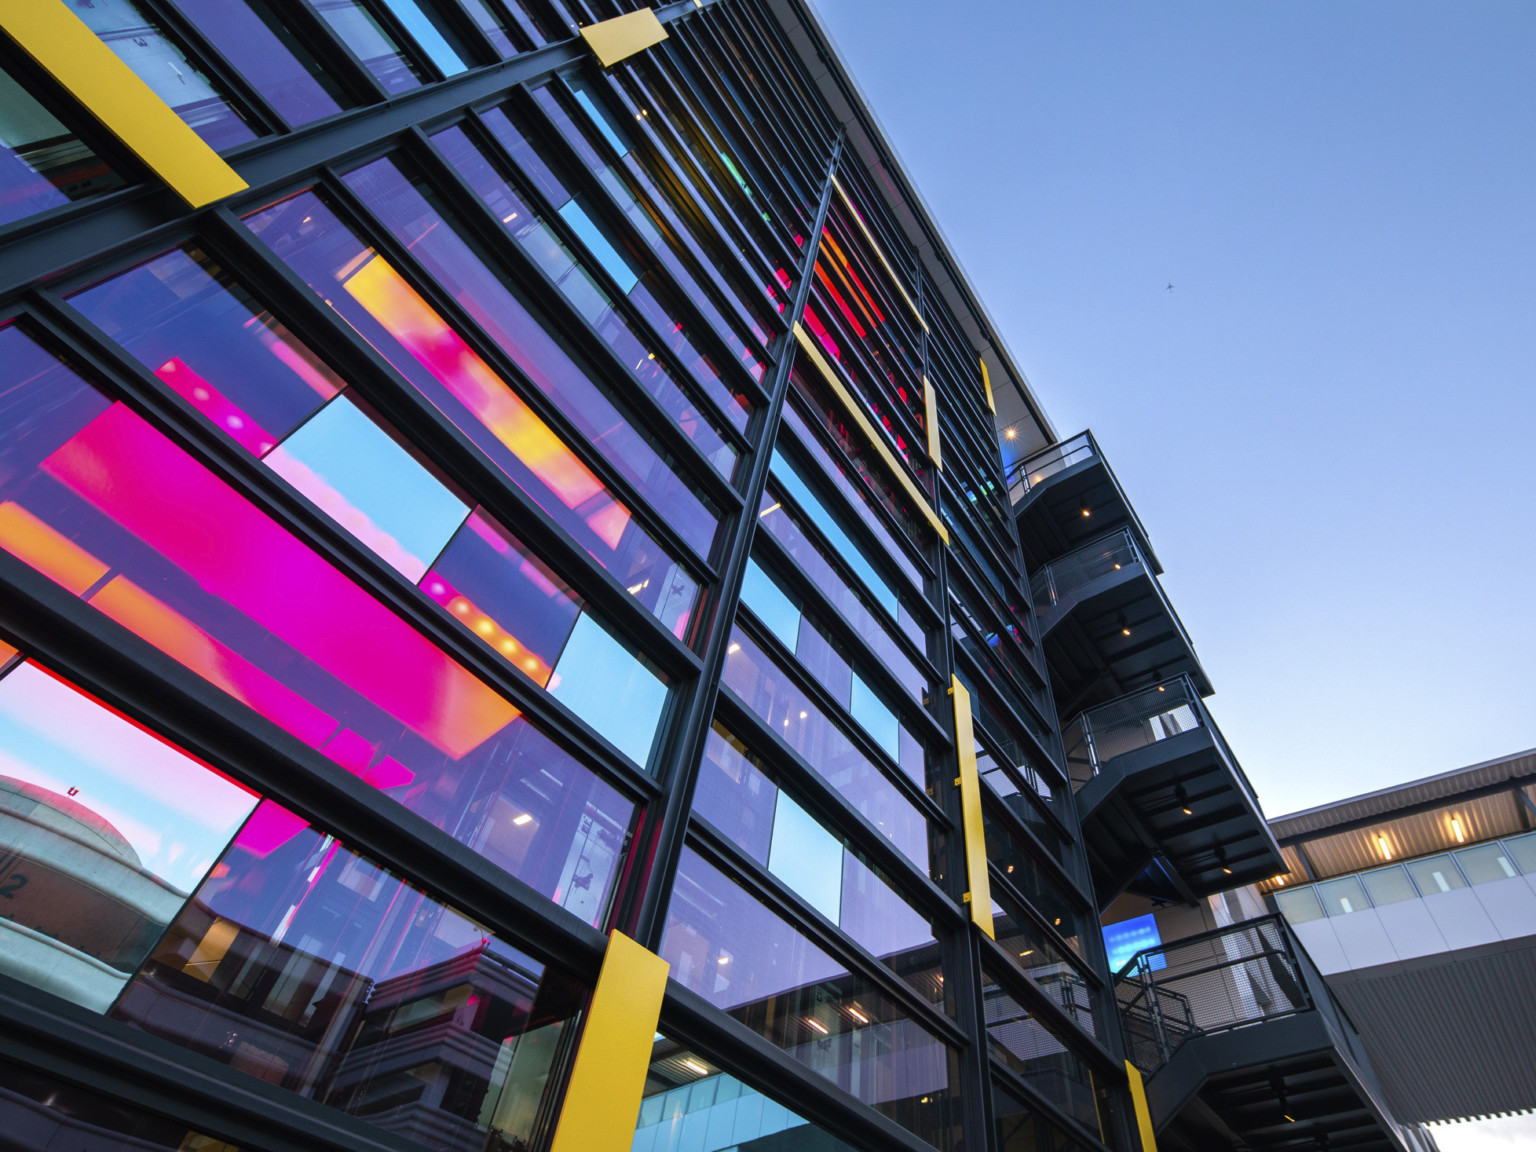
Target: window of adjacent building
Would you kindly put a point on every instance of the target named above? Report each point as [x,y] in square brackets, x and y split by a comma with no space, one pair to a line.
[142,45]
[1299,905]
[270,58]
[43,164]
[1486,863]
[1343,896]
[1435,874]
[1388,885]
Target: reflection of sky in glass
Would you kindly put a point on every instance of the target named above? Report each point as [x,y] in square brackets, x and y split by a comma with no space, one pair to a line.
[600,681]
[371,486]
[807,857]
[177,814]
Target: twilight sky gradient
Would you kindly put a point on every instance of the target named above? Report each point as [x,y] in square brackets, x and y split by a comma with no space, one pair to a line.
[1327,426]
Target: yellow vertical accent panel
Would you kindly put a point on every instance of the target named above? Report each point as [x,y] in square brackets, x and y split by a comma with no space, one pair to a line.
[92,73]
[602,1101]
[980,894]
[931,406]
[1143,1113]
[986,382]
[879,253]
[621,37]
[875,437]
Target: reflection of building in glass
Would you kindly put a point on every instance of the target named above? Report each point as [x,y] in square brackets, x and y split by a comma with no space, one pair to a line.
[79,912]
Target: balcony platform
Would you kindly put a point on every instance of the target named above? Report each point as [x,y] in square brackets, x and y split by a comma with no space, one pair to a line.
[1155,781]
[1066,495]
[1106,627]
[1242,1045]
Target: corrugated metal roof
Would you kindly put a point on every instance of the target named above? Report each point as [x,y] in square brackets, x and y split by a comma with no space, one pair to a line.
[1445,786]
[1450,1037]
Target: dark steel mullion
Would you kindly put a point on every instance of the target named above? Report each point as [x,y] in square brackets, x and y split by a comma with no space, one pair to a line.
[783,901]
[899,319]
[644,911]
[895,242]
[769,95]
[726,297]
[115,665]
[976,593]
[771,33]
[548,140]
[839,716]
[491,235]
[378,236]
[469,32]
[445,443]
[227,78]
[805,780]
[261,488]
[783,78]
[735,379]
[846,634]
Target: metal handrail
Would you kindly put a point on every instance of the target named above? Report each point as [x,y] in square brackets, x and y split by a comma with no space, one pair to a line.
[1026,474]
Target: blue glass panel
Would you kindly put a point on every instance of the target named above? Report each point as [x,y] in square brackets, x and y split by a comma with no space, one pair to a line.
[878,720]
[427,36]
[770,605]
[597,242]
[807,857]
[360,477]
[597,678]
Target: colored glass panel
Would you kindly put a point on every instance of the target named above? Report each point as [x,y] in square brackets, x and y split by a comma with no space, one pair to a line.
[269,57]
[97,500]
[769,604]
[357,28]
[43,164]
[123,27]
[428,36]
[441,366]
[807,857]
[311,967]
[597,678]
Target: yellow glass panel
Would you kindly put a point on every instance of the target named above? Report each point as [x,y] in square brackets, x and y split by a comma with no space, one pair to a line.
[980,884]
[602,1101]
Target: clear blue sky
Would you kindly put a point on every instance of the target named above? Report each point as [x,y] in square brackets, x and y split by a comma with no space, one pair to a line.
[1328,425]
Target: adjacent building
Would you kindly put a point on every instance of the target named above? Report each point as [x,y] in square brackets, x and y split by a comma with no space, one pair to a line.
[538,612]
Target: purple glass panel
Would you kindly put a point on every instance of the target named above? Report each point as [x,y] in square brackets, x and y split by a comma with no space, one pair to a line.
[267,56]
[355,27]
[310,967]
[768,691]
[201,333]
[822,661]
[435,360]
[747,962]
[99,501]
[503,317]
[885,924]
[734,796]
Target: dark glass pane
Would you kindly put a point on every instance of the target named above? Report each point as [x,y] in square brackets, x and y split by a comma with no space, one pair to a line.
[1038,1056]
[38,1111]
[749,963]
[140,44]
[313,968]
[96,499]
[1021,1128]
[270,59]
[1043,960]
[371,295]
[42,163]
[1051,899]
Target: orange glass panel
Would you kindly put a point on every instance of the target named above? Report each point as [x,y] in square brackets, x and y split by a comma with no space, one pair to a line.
[57,557]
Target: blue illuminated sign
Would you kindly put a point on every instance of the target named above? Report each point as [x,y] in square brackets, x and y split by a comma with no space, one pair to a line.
[1125,939]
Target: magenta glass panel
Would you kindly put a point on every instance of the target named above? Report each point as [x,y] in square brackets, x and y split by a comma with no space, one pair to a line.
[777,519]
[583,292]
[485,296]
[768,691]
[201,333]
[109,508]
[312,968]
[437,362]
[747,962]
[268,56]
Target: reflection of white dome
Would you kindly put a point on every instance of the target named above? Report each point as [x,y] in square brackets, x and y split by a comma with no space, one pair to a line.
[82,911]
[62,814]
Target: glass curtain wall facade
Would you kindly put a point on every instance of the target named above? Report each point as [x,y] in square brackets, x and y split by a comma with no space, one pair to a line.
[547,500]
